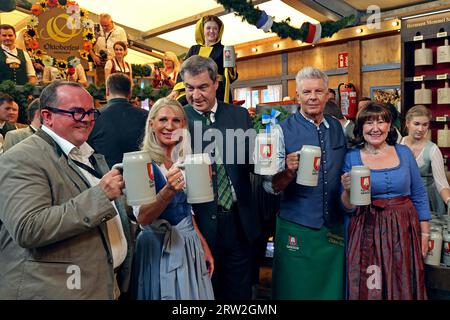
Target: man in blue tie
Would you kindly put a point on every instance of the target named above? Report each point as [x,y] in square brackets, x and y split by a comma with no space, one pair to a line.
[229,223]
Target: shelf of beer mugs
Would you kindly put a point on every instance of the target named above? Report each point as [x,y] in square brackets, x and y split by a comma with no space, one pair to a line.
[443,76]
[423,37]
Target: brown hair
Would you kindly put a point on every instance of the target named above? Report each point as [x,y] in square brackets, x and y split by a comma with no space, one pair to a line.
[7,27]
[373,111]
[122,44]
[212,18]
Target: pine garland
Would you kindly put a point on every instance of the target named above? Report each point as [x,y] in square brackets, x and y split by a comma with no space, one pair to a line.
[246,10]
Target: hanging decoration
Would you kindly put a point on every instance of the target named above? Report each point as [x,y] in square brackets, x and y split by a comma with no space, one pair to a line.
[308,32]
[58,29]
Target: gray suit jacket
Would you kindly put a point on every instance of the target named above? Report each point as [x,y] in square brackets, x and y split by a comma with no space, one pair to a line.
[53,237]
[15,136]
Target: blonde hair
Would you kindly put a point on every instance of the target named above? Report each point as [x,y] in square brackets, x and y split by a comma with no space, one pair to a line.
[418,111]
[173,57]
[151,145]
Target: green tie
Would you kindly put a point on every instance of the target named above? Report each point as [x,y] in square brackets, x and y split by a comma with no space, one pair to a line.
[225,197]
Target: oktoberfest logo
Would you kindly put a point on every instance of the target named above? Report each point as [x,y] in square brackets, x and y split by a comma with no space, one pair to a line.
[316,163]
[265,151]
[430,245]
[365,183]
[150,174]
[292,243]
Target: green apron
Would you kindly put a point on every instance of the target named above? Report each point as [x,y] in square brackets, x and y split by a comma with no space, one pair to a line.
[308,263]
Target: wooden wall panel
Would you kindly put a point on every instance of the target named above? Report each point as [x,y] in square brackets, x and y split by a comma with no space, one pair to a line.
[378,78]
[334,81]
[381,50]
[268,66]
[324,57]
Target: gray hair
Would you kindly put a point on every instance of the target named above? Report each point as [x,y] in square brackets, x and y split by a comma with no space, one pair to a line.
[151,145]
[310,73]
[49,96]
[197,64]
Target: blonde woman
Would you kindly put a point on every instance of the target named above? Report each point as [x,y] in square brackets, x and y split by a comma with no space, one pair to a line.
[428,157]
[171,68]
[118,63]
[172,259]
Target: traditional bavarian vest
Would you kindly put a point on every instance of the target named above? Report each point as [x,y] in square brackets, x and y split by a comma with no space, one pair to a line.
[18,75]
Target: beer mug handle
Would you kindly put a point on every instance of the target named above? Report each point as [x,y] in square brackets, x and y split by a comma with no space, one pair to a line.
[119,166]
[182,168]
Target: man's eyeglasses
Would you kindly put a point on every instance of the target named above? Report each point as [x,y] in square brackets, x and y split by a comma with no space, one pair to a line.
[78,114]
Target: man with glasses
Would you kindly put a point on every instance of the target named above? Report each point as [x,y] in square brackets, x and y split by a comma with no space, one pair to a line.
[309,244]
[65,235]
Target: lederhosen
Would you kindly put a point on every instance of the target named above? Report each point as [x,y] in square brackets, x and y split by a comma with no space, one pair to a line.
[13,71]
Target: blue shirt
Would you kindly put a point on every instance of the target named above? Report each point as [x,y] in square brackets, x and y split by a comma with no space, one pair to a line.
[402,180]
[311,206]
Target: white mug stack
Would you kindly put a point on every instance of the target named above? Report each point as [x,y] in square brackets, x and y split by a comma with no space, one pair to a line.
[265,154]
[433,257]
[309,165]
[199,185]
[139,177]
[360,186]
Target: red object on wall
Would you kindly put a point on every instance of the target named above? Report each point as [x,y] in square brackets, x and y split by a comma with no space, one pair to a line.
[343,60]
[347,99]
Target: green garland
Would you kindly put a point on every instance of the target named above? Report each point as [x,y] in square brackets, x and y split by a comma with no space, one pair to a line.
[246,10]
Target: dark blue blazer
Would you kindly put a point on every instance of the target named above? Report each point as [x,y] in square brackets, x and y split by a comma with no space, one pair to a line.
[227,117]
[119,129]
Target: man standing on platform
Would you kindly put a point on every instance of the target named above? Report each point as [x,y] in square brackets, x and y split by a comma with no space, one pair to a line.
[121,126]
[228,223]
[104,47]
[15,63]
[309,244]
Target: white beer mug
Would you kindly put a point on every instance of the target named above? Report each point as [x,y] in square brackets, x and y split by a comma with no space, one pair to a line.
[309,166]
[360,186]
[139,177]
[198,173]
[265,154]
[229,57]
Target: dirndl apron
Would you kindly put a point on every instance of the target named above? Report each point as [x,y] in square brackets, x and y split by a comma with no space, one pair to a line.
[384,258]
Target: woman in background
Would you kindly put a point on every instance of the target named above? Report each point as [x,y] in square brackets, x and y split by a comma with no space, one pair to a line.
[428,157]
[208,35]
[168,74]
[387,239]
[172,260]
[118,63]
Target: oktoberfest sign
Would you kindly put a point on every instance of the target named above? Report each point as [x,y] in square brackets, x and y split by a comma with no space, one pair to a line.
[59,33]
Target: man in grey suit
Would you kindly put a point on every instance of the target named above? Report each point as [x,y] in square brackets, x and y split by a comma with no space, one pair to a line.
[65,235]
[15,136]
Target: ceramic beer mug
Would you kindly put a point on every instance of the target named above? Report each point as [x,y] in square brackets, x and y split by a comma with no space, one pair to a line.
[360,186]
[264,156]
[309,166]
[138,176]
[229,57]
[443,53]
[198,177]
[422,95]
[443,96]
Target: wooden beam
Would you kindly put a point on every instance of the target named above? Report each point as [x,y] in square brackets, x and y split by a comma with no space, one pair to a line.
[311,11]
[354,63]
[266,46]
[219,11]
